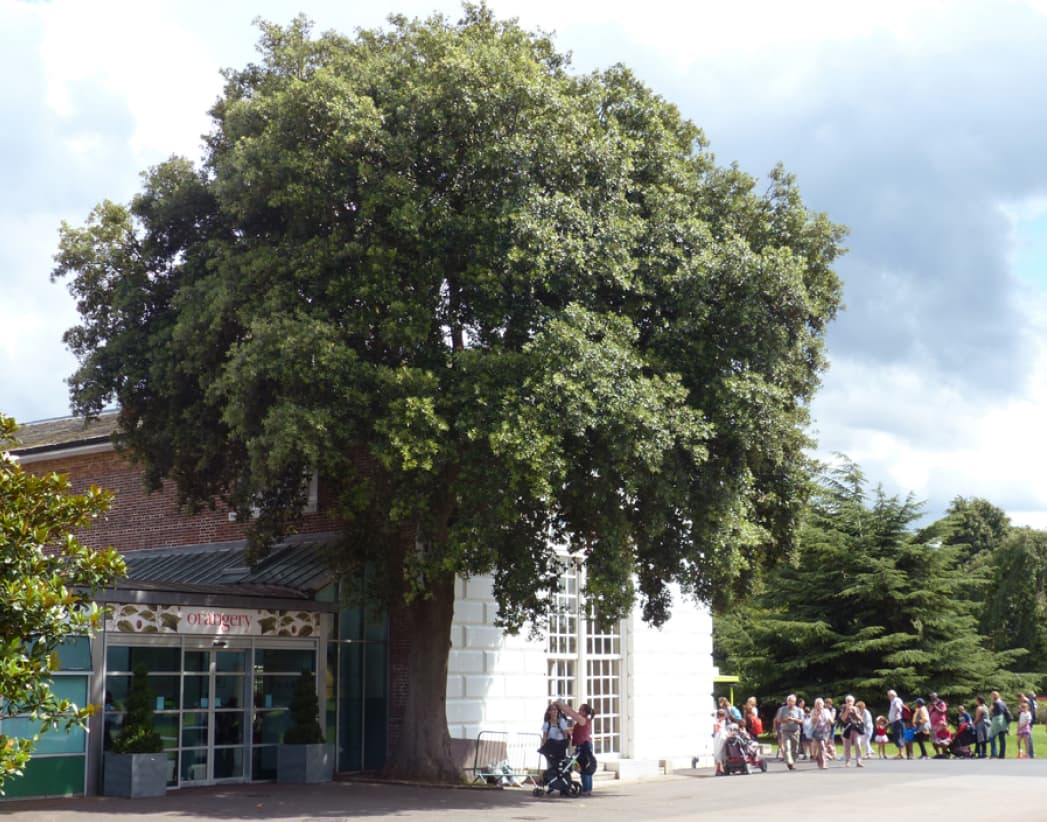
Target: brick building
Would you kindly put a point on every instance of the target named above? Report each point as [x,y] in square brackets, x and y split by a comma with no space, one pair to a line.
[224,641]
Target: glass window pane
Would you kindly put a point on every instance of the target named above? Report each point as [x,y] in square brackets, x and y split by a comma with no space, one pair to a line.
[194,765]
[229,727]
[228,690]
[154,658]
[73,688]
[167,689]
[116,688]
[263,762]
[269,726]
[195,690]
[230,661]
[228,763]
[197,661]
[167,726]
[286,660]
[273,691]
[351,623]
[74,654]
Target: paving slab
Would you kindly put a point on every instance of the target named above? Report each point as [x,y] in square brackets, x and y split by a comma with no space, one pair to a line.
[882,789]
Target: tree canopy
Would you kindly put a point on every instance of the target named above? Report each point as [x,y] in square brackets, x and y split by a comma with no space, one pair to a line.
[501,308]
[870,603]
[47,576]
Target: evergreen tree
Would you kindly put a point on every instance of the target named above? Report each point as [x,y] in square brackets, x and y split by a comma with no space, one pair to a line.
[867,605]
[305,712]
[138,734]
[1015,614]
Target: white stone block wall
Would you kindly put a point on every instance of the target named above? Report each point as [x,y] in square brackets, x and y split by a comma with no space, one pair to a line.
[669,686]
[498,683]
[495,682]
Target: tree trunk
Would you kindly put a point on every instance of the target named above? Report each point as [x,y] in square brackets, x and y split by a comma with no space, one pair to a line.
[423,751]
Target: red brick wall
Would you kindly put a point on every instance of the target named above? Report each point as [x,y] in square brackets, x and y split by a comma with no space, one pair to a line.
[138,519]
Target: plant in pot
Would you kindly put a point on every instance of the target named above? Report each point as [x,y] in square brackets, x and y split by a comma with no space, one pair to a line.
[136,765]
[304,756]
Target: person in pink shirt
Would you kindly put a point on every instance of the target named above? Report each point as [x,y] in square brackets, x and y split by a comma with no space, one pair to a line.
[938,712]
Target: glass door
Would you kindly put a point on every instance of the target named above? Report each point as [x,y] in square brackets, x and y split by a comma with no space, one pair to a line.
[214,705]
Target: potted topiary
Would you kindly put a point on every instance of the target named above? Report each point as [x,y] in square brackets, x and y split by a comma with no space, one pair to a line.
[303,756]
[136,765]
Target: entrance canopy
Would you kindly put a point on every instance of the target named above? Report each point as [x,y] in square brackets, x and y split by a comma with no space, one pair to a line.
[293,574]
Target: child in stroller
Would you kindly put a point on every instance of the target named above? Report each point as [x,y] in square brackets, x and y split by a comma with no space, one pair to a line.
[962,741]
[741,753]
[560,777]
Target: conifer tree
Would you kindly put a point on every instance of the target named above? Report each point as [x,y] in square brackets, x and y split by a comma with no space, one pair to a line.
[869,604]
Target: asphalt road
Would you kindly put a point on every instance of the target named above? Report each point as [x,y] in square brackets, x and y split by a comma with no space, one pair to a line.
[946,789]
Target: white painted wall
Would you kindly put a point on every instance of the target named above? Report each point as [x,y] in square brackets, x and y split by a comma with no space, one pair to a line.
[495,682]
[669,686]
[498,683]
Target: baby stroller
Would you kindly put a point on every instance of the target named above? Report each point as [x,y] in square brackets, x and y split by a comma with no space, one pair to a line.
[560,777]
[741,753]
[961,743]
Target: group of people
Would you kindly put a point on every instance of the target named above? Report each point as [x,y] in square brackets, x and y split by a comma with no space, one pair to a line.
[988,727]
[565,725]
[811,732]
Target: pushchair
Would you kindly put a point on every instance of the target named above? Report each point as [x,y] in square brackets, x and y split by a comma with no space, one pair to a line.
[961,743]
[741,753]
[560,776]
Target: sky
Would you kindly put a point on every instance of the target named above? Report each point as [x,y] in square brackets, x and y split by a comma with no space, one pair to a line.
[918,124]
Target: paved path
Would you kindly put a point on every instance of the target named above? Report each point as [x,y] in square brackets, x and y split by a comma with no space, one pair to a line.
[949,789]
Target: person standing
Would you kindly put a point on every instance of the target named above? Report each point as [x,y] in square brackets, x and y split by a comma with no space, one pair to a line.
[982,727]
[895,718]
[831,739]
[821,729]
[1000,717]
[554,735]
[852,723]
[921,723]
[1024,728]
[938,711]
[1033,709]
[788,721]
[867,723]
[582,737]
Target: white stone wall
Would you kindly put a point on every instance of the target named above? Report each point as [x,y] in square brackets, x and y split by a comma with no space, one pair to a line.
[498,683]
[669,684]
[495,682]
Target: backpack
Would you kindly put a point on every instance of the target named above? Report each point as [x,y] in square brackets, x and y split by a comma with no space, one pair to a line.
[736,715]
[757,726]
[906,713]
[1032,709]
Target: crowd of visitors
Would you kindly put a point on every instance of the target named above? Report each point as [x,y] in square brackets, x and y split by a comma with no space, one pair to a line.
[814,732]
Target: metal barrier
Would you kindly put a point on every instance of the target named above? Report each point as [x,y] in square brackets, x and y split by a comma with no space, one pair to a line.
[502,757]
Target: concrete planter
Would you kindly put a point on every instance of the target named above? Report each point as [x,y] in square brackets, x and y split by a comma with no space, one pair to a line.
[135,775]
[305,763]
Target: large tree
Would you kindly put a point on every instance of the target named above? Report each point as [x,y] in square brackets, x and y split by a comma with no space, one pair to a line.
[500,307]
[46,578]
[1015,608]
[870,603]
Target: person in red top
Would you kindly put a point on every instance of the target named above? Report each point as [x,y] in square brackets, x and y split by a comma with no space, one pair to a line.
[938,712]
[582,737]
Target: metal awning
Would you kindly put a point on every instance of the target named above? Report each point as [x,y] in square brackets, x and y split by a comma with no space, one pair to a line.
[290,576]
